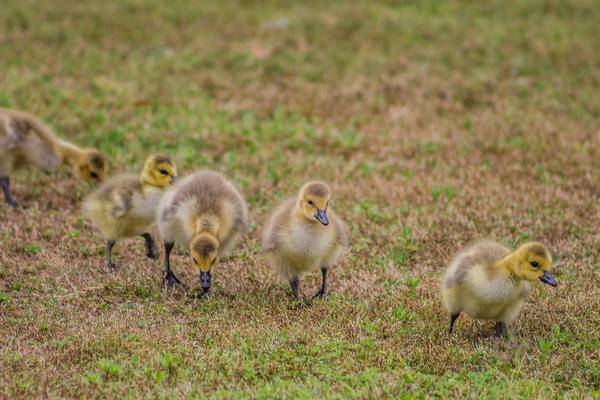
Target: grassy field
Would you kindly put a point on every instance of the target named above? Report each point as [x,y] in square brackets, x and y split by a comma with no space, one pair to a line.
[436,124]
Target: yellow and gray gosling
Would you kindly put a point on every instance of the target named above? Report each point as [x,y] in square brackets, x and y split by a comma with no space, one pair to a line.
[489,281]
[303,234]
[205,213]
[125,206]
[25,141]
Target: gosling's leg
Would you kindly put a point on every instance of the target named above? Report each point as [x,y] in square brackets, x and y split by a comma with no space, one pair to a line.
[5,183]
[500,329]
[150,247]
[453,318]
[109,249]
[170,279]
[295,285]
[323,291]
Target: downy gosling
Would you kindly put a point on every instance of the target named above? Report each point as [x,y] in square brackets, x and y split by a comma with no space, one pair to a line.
[489,281]
[125,206]
[205,213]
[303,234]
[24,141]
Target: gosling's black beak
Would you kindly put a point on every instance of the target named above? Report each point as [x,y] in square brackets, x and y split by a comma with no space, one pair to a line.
[205,282]
[173,179]
[321,216]
[548,278]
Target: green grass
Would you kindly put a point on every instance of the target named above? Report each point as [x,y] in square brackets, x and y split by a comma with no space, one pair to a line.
[436,123]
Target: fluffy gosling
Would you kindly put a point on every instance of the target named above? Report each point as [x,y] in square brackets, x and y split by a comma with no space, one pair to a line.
[488,281]
[304,234]
[25,141]
[125,206]
[205,213]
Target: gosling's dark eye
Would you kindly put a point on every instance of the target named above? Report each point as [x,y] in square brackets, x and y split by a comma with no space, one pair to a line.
[93,175]
[535,264]
[164,172]
[310,202]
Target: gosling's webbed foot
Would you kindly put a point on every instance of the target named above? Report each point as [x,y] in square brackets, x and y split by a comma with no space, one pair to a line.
[201,294]
[170,280]
[299,304]
[321,294]
[151,253]
[112,266]
[12,203]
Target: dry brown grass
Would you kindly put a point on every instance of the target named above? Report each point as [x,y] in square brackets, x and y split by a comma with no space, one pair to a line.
[436,123]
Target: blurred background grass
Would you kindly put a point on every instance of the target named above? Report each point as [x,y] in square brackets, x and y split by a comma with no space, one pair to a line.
[436,122]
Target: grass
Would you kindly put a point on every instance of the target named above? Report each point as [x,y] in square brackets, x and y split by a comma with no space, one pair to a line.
[436,123]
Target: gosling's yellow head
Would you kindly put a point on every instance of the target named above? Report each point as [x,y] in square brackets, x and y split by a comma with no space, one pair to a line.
[533,263]
[313,201]
[159,171]
[91,166]
[203,249]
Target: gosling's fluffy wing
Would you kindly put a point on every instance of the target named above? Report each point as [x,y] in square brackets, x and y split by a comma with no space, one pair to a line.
[122,201]
[480,254]
[277,223]
[116,194]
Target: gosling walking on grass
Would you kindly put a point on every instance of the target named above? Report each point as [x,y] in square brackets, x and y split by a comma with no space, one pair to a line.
[205,213]
[303,234]
[25,141]
[125,206]
[489,281]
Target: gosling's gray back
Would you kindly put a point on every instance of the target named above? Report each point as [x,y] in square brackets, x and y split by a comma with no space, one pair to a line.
[209,190]
[20,131]
[482,253]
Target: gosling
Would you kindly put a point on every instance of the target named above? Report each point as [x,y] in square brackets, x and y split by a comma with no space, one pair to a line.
[125,206]
[205,213]
[25,141]
[303,234]
[488,281]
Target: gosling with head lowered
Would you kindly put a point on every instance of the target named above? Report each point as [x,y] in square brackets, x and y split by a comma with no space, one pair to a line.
[125,206]
[303,234]
[489,281]
[205,213]
[24,141]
